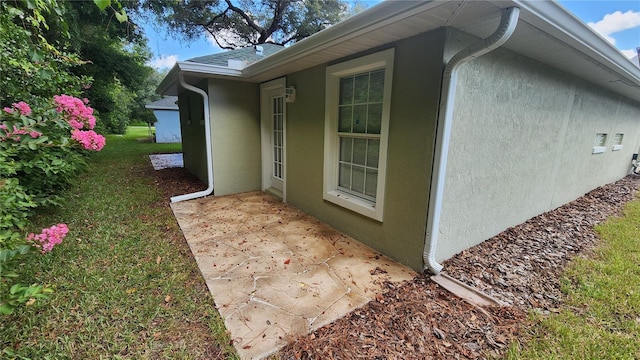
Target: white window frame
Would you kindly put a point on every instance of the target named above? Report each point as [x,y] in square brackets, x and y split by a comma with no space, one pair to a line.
[379,60]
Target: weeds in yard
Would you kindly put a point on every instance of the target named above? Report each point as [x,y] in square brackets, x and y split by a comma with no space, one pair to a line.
[601,316]
[126,284]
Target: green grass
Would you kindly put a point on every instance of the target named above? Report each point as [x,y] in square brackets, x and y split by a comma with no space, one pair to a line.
[126,284]
[601,317]
[141,132]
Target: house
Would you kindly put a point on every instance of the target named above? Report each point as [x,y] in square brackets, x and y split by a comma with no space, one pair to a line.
[168,116]
[419,128]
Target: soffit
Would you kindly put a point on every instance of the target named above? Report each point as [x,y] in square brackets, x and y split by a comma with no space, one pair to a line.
[534,37]
[540,35]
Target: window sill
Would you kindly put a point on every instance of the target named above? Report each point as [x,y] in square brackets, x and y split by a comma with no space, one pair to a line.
[355,204]
[599,149]
[616,148]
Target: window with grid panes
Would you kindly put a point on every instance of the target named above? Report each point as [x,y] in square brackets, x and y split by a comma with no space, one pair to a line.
[359,120]
[357,113]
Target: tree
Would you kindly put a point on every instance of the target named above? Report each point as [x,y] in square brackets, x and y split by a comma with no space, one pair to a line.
[32,67]
[115,54]
[240,23]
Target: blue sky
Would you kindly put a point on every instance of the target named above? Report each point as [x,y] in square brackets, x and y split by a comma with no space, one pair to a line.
[616,20]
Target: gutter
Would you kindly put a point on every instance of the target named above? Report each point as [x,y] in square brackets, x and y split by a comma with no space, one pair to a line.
[207,70]
[207,137]
[508,22]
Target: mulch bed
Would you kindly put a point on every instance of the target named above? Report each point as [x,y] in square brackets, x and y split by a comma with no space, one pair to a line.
[419,320]
[176,181]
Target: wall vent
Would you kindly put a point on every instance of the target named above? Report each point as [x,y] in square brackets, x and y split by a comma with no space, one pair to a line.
[617,142]
[599,143]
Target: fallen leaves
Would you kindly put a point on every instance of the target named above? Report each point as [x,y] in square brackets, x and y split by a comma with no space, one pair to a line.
[420,320]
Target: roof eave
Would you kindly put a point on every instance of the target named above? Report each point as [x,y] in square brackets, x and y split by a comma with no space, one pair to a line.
[170,84]
[581,37]
[373,18]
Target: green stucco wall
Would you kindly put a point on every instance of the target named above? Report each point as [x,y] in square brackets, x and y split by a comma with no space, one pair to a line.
[414,102]
[192,128]
[521,144]
[235,124]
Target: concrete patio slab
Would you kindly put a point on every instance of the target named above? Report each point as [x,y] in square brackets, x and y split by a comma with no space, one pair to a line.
[275,272]
[165,161]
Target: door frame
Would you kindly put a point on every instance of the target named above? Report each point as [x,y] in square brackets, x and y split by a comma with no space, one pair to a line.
[267,91]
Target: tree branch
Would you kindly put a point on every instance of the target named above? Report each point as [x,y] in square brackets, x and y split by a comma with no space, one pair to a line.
[276,22]
[246,17]
[215,38]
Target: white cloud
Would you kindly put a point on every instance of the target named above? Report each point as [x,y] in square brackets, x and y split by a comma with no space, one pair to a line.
[616,22]
[163,62]
[631,53]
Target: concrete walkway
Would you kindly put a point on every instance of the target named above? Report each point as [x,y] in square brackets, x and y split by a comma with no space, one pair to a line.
[165,161]
[275,272]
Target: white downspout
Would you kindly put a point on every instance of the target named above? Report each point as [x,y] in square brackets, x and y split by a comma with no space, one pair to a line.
[207,137]
[508,22]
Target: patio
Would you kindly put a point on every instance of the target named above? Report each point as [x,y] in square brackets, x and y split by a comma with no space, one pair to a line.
[275,272]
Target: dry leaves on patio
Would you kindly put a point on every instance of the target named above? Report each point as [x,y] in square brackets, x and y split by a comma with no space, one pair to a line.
[420,320]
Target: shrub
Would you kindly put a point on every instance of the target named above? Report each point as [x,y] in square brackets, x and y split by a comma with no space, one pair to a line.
[42,151]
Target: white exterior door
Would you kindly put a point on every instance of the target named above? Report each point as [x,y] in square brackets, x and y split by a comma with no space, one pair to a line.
[273,139]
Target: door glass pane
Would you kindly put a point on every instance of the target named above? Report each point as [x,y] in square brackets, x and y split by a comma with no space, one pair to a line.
[344,123]
[359,151]
[357,179]
[345,176]
[373,151]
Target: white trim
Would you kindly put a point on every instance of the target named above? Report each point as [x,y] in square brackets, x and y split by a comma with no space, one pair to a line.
[265,134]
[162,107]
[598,149]
[382,59]
[616,147]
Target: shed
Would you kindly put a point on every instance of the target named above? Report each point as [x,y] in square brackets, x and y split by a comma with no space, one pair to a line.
[167,115]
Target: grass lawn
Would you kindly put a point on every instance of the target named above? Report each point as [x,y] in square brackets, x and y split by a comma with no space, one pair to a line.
[126,285]
[601,318]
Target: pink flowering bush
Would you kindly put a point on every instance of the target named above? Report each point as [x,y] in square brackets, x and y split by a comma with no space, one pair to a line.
[16,132]
[48,238]
[75,111]
[21,107]
[45,144]
[89,139]
[43,149]
[13,294]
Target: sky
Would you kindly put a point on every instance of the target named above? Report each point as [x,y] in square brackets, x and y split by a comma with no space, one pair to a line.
[618,21]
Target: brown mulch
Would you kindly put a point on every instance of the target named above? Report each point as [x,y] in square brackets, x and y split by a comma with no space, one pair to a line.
[419,320]
[176,181]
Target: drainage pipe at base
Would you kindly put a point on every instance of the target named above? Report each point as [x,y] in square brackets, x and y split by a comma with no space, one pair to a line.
[207,137]
[508,22]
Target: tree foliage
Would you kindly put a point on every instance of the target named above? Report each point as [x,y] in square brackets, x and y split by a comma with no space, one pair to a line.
[33,67]
[116,53]
[79,48]
[240,23]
